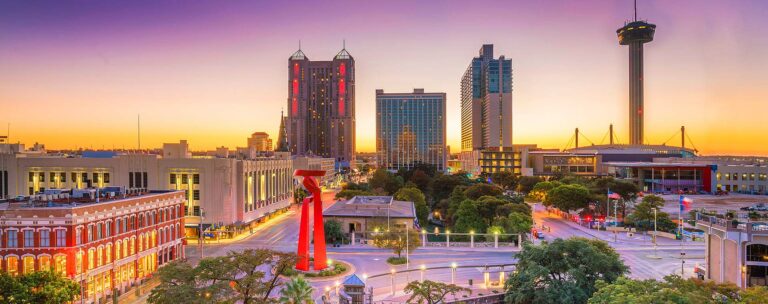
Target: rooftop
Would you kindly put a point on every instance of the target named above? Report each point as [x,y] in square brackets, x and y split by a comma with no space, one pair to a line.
[70,198]
[372,206]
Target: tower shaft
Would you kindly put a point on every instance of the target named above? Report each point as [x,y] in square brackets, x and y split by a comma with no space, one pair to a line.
[636,126]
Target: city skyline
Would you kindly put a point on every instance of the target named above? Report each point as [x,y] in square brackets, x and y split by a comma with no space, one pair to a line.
[83,72]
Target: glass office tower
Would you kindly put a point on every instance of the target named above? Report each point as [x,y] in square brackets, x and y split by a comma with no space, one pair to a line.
[410,129]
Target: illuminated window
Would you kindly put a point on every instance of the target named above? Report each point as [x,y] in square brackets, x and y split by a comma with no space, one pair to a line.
[91,258]
[78,236]
[132,246]
[79,262]
[117,250]
[99,256]
[60,263]
[45,262]
[108,254]
[29,264]
[125,247]
[141,238]
[12,265]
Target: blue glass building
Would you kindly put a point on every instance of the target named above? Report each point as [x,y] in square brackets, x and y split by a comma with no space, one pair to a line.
[410,129]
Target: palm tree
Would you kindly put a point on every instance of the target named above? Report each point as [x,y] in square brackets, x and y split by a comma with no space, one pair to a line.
[296,291]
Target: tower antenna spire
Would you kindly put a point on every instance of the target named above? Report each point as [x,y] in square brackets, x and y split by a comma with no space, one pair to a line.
[635,10]
[299,44]
[344,44]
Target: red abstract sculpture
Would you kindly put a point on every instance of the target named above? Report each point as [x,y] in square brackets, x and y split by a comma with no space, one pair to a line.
[310,183]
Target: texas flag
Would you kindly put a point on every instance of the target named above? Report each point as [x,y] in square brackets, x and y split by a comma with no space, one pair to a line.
[685,203]
[613,195]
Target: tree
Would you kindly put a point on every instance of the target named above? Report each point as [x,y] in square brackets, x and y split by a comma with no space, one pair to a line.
[672,289]
[348,194]
[355,186]
[504,179]
[299,194]
[333,231]
[37,287]
[296,291]
[563,271]
[457,196]
[488,207]
[754,295]
[419,202]
[468,219]
[397,241]
[443,186]
[568,197]
[525,184]
[515,223]
[422,181]
[477,190]
[643,216]
[245,277]
[430,292]
[508,208]
[385,182]
[539,191]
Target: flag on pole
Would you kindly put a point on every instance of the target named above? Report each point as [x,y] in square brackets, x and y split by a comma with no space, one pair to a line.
[685,203]
[613,195]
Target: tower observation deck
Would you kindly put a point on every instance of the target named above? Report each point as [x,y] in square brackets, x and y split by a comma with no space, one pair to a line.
[635,34]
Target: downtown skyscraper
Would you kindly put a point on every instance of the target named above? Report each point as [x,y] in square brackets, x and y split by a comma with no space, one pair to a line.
[410,130]
[321,103]
[486,102]
[486,114]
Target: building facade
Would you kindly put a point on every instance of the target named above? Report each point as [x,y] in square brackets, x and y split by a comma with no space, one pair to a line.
[410,129]
[330,179]
[106,245]
[735,252]
[260,142]
[218,191]
[321,103]
[486,107]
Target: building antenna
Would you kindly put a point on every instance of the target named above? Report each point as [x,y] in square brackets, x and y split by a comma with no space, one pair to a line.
[344,44]
[635,10]
[299,44]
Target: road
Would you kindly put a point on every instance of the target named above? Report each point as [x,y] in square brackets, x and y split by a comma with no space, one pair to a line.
[282,234]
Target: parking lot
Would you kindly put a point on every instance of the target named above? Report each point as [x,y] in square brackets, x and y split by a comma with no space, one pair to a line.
[718,203]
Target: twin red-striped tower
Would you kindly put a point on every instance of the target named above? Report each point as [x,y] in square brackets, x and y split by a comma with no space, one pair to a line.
[310,183]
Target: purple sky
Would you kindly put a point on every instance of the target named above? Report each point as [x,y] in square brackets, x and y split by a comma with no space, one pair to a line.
[78,72]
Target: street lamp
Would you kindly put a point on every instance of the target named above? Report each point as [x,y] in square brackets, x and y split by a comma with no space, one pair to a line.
[392,286]
[471,239]
[423,269]
[453,273]
[447,238]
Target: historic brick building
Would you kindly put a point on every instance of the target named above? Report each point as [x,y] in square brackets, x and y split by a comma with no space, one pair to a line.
[106,244]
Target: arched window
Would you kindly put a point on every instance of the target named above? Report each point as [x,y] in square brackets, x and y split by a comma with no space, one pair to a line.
[79,262]
[29,264]
[12,265]
[45,262]
[108,253]
[117,250]
[60,263]
[141,238]
[91,258]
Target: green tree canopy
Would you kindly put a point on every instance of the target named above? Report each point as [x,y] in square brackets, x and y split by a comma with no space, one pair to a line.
[397,240]
[673,289]
[489,206]
[564,271]
[477,190]
[515,223]
[457,196]
[525,183]
[333,231]
[431,292]
[468,218]
[643,216]
[539,191]
[568,197]
[37,287]
[385,182]
[508,208]
[504,179]
[419,202]
[443,186]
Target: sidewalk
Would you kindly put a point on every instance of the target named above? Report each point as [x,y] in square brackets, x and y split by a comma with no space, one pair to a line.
[130,296]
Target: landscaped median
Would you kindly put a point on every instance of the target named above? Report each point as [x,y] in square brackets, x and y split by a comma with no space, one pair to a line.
[335,269]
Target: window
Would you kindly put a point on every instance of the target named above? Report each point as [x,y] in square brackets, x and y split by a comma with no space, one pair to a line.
[63,177]
[60,264]
[117,250]
[130,180]
[90,233]
[196,195]
[107,229]
[78,236]
[45,262]
[31,177]
[61,238]
[29,264]
[91,259]
[98,231]
[99,256]
[196,179]
[95,177]
[52,176]
[12,265]
[12,241]
[106,177]
[29,238]
[45,238]
[117,226]
[108,254]
[173,178]
[79,263]
[184,179]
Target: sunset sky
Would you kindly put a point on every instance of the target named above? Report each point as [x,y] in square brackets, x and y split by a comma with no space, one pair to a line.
[77,73]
